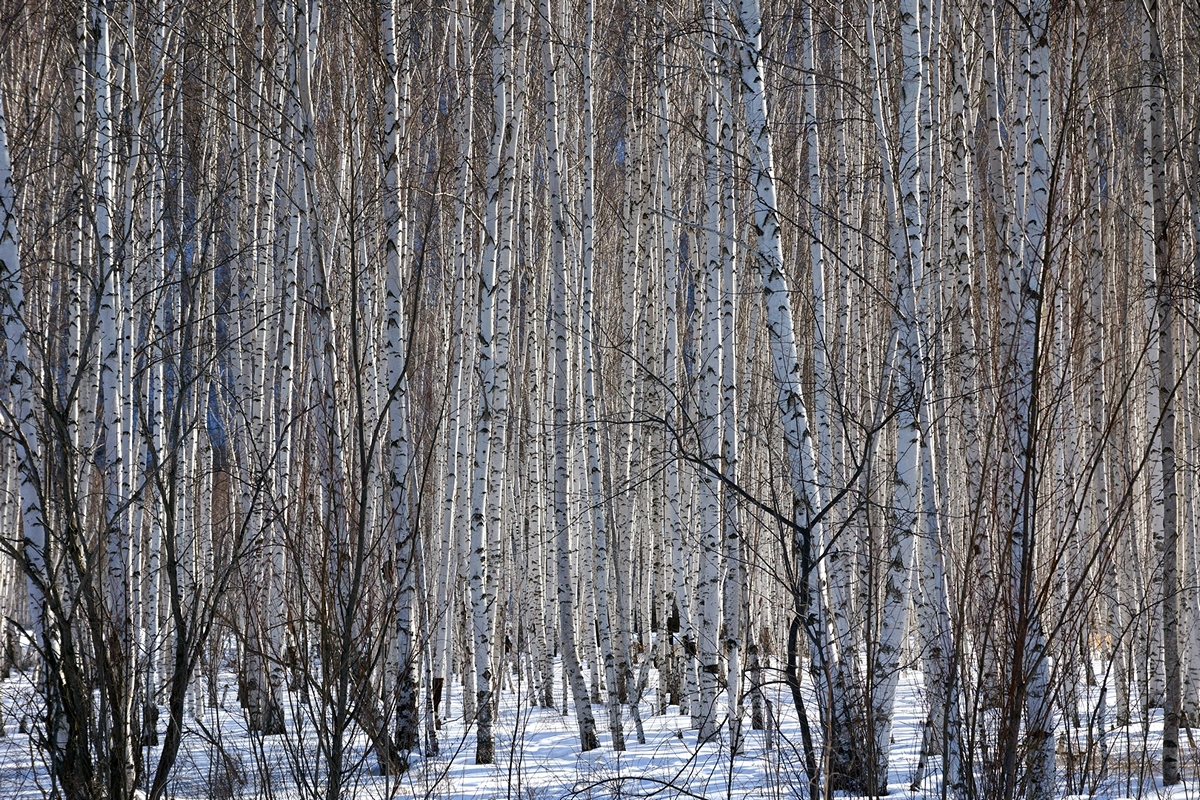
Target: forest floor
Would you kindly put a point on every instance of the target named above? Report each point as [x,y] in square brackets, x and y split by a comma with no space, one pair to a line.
[537,757]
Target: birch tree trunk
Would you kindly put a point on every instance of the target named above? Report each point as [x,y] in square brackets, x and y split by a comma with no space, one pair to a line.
[19,416]
[1161,287]
[797,436]
[679,591]
[1023,297]
[396,55]
[733,586]
[902,175]
[596,499]
[572,672]
[708,416]
[481,532]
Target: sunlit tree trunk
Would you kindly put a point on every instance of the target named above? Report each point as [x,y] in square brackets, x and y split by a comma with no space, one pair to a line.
[485,438]
[572,672]
[596,498]
[1022,298]
[733,583]
[708,416]
[679,594]
[396,36]
[781,333]
[902,176]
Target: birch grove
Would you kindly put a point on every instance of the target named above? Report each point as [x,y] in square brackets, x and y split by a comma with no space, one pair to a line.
[411,365]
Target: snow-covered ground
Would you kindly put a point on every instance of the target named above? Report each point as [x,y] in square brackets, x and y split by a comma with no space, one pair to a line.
[537,757]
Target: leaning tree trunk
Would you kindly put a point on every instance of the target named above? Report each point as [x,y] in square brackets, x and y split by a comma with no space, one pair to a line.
[781,332]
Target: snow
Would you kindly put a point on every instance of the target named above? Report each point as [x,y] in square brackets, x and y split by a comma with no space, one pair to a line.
[537,758]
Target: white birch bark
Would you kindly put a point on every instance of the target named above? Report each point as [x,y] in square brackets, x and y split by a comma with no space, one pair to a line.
[942,734]
[596,498]
[1023,295]
[263,404]
[1160,292]
[902,174]
[487,463]
[455,481]
[981,561]
[282,431]
[679,592]
[76,334]
[499,481]
[572,672]
[733,584]
[626,439]
[110,317]
[797,436]
[1004,223]
[1151,110]
[19,414]
[396,55]
[708,417]
[769,255]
